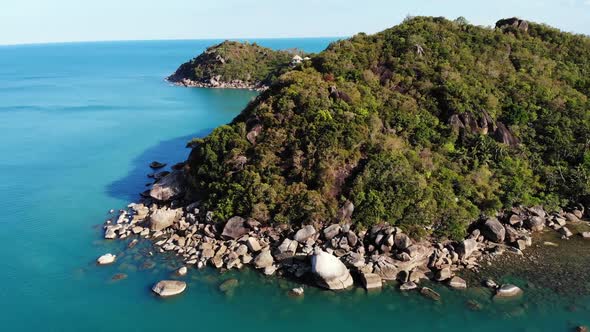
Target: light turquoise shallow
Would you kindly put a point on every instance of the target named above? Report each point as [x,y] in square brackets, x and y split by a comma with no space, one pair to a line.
[78,125]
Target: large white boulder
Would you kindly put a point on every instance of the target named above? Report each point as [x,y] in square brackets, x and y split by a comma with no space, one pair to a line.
[330,272]
[106,259]
[169,287]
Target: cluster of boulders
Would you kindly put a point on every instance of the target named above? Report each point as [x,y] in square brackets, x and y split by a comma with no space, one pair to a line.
[333,255]
[217,82]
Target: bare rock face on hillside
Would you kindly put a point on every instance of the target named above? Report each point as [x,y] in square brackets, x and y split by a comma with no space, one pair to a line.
[517,23]
[467,123]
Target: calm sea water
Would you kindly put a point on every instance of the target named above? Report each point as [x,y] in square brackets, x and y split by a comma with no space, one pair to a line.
[78,125]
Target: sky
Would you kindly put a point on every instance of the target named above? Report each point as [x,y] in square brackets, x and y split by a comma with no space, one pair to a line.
[47,21]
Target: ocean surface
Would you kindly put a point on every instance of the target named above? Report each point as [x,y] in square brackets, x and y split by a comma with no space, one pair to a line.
[79,124]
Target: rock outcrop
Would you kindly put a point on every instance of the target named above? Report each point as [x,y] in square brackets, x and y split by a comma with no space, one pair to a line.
[169,187]
[514,23]
[482,124]
[330,272]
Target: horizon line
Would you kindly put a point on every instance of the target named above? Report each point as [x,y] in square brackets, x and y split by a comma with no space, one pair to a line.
[161,39]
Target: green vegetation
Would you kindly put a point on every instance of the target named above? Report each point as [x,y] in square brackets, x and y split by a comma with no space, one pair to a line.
[426,125]
[231,60]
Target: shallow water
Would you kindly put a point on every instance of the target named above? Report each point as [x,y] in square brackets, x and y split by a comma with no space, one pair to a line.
[78,124]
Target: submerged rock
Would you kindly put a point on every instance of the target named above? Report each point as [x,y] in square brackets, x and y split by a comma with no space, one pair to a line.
[228,285]
[457,283]
[408,286]
[508,291]
[297,291]
[430,293]
[330,272]
[182,271]
[166,288]
[119,276]
[157,165]
[106,259]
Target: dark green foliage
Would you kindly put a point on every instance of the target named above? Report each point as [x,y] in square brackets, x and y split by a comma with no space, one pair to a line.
[369,118]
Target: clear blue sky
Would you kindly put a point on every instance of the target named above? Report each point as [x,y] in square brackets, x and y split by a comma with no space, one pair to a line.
[34,21]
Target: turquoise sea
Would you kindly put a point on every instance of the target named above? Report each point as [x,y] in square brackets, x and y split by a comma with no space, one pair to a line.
[79,124]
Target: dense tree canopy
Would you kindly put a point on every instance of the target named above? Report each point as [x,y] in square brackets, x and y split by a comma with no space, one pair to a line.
[425,126]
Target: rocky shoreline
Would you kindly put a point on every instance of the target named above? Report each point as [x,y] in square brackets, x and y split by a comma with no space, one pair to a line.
[217,83]
[334,255]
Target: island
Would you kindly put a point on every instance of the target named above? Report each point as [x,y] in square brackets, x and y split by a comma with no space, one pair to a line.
[409,155]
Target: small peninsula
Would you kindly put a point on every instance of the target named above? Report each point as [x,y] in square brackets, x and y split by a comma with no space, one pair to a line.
[407,155]
[233,64]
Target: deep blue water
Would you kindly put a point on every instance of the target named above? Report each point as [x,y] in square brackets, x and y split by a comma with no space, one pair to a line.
[78,125]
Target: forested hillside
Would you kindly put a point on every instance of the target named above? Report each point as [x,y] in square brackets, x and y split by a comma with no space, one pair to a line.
[426,126]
